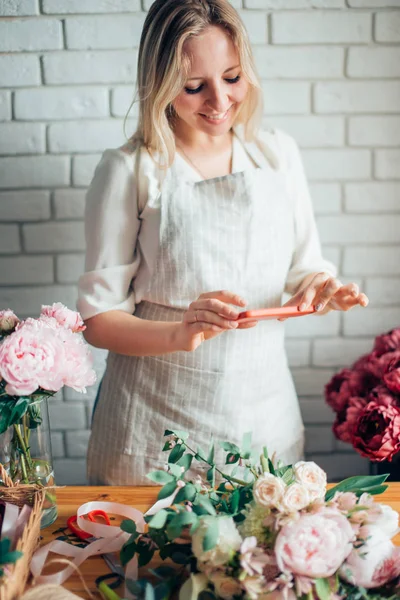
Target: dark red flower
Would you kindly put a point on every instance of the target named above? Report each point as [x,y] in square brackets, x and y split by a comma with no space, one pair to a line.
[337,391]
[345,422]
[392,374]
[376,433]
[388,342]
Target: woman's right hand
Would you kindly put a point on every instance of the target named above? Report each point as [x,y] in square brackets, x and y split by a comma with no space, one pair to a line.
[208,316]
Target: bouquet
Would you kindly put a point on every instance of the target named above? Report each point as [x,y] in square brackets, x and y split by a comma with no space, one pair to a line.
[37,358]
[263,531]
[366,400]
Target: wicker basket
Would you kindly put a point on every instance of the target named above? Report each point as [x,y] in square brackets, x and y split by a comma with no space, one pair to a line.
[13,585]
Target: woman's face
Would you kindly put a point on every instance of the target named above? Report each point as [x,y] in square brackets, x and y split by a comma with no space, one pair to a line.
[215,88]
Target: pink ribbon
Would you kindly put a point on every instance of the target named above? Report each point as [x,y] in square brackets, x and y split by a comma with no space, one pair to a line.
[110,539]
[14,521]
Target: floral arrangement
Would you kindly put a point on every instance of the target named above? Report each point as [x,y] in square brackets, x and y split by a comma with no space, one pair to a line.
[366,400]
[37,358]
[264,531]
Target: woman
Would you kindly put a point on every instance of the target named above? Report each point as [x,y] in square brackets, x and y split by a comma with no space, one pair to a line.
[199,200]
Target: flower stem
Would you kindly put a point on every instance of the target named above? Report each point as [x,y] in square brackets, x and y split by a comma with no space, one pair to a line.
[24,453]
[227,477]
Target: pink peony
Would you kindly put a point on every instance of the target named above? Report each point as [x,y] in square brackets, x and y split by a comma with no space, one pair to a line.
[388,342]
[78,370]
[376,434]
[64,316]
[315,545]
[8,321]
[392,374]
[31,358]
[375,562]
[253,560]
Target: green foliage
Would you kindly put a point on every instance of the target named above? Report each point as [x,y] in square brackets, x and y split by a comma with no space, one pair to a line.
[7,556]
[359,485]
[323,589]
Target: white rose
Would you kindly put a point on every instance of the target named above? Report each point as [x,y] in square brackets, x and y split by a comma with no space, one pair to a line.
[374,563]
[312,477]
[228,540]
[226,587]
[268,490]
[388,521]
[295,498]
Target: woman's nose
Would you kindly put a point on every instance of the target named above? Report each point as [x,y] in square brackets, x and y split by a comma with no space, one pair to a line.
[218,99]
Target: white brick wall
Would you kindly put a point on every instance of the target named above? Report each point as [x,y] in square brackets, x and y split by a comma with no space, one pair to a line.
[330,72]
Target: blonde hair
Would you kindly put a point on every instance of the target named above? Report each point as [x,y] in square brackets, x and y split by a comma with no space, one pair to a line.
[163,67]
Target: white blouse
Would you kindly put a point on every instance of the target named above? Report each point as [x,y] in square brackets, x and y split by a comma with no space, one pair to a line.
[123,217]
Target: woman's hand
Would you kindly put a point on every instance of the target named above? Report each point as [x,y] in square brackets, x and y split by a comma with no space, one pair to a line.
[208,316]
[328,293]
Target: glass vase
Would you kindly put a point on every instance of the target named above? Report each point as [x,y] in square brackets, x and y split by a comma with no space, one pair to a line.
[25,452]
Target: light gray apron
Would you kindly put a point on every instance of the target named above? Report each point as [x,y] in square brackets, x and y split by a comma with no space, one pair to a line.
[235,233]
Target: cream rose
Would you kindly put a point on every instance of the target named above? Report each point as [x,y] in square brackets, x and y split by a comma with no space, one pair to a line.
[228,540]
[268,490]
[312,477]
[295,498]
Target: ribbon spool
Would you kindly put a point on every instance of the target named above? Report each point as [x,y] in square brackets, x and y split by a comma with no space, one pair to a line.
[49,592]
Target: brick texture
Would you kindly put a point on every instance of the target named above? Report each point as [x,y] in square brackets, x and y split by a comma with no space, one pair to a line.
[330,73]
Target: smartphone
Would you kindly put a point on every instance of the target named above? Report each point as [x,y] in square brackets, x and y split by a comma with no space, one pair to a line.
[281,312]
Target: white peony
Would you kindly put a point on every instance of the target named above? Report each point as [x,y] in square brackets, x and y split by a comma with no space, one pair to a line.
[295,498]
[226,587]
[387,521]
[228,540]
[269,490]
[312,477]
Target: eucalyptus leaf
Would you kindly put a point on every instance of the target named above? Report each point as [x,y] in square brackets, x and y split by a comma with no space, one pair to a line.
[211,453]
[231,458]
[246,445]
[211,536]
[179,522]
[229,447]
[5,414]
[200,454]
[211,476]
[176,453]
[185,461]
[129,526]
[206,503]
[159,519]
[167,490]
[128,551]
[186,493]
[161,477]
[19,409]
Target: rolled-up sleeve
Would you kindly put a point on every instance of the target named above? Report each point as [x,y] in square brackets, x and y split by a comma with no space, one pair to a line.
[307,255]
[111,230]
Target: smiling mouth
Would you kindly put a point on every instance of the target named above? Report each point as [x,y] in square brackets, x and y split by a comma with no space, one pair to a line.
[216,117]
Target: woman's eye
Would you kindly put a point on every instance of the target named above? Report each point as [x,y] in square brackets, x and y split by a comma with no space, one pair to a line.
[194,90]
[234,80]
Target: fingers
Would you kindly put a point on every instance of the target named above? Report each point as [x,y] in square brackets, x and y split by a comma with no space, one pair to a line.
[348,297]
[211,310]
[224,296]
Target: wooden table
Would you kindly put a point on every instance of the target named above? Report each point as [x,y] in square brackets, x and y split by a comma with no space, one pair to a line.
[71,497]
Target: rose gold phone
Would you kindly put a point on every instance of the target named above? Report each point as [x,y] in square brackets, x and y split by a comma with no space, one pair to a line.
[282,312]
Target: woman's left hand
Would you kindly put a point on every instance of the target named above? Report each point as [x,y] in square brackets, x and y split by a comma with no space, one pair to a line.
[328,293]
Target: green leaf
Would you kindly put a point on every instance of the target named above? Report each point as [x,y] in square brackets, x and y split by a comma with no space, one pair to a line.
[235,497]
[179,522]
[211,452]
[18,410]
[211,476]
[200,455]
[206,503]
[128,526]
[358,485]
[167,490]
[128,551]
[5,414]
[231,458]
[183,435]
[185,461]
[186,493]
[211,536]
[161,477]
[271,467]
[159,519]
[229,447]
[246,445]
[176,453]
[323,589]
[163,572]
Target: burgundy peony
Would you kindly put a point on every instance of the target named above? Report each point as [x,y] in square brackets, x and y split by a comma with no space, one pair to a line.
[345,422]
[392,375]
[388,342]
[337,392]
[376,433]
